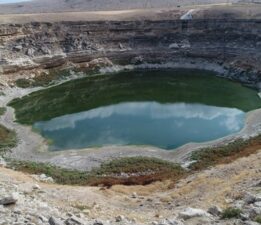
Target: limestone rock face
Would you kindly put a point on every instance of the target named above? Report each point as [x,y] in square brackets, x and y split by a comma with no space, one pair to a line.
[226,43]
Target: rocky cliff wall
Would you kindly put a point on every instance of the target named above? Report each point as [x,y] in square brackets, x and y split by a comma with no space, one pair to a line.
[234,45]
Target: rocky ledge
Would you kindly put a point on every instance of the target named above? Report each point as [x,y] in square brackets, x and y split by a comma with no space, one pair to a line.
[232,47]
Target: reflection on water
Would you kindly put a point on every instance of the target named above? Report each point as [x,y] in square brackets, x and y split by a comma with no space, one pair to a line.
[141,123]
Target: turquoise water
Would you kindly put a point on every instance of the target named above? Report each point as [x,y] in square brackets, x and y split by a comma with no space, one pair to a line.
[141,123]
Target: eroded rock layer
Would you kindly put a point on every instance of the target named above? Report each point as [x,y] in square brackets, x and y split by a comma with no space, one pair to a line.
[232,47]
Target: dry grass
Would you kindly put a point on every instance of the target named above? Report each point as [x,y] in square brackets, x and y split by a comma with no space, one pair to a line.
[137,171]
[225,154]
[7,138]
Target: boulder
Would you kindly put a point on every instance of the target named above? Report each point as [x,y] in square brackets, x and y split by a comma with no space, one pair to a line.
[8,201]
[73,220]
[55,221]
[189,213]
[249,198]
[215,211]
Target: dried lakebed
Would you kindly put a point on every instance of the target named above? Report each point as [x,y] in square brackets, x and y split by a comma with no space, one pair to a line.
[133,113]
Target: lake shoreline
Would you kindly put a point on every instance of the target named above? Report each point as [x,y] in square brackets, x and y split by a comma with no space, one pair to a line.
[33,147]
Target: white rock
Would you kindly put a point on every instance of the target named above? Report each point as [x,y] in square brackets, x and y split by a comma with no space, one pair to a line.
[257,204]
[2,162]
[134,195]
[36,187]
[192,212]
[173,45]
[170,222]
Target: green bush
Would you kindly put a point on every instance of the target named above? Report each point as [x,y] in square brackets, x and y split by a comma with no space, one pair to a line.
[231,213]
[107,174]
[2,110]
[258,219]
[8,138]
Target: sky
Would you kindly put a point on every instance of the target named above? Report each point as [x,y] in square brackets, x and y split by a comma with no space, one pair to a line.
[12,1]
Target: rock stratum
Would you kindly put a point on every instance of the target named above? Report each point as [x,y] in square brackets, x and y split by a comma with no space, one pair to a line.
[231,47]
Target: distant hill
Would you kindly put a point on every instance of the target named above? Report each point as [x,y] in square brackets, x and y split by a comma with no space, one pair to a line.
[43,6]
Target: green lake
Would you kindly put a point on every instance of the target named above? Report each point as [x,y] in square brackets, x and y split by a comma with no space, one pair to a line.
[165,109]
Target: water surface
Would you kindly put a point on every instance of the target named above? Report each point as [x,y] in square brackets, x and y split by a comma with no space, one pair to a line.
[142,123]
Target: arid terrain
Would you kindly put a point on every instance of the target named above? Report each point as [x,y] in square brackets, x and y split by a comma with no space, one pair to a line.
[222,186]
[39,38]
[48,6]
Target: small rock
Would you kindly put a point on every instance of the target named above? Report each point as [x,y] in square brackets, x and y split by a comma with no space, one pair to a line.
[43,218]
[43,178]
[119,218]
[30,52]
[74,221]
[173,45]
[215,211]
[8,201]
[97,223]
[169,222]
[251,223]
[55,221]
[257,204]
[249,198]
[191,212]
[134,195]
[36,187]
[18,47]
[244,216]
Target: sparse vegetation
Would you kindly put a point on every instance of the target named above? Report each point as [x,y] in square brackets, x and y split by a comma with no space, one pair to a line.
[258,219]
[142,170]
[225,154]
[231,213]
[8,139]
[139,170]
[2,110]
[43,79]
[23,83]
